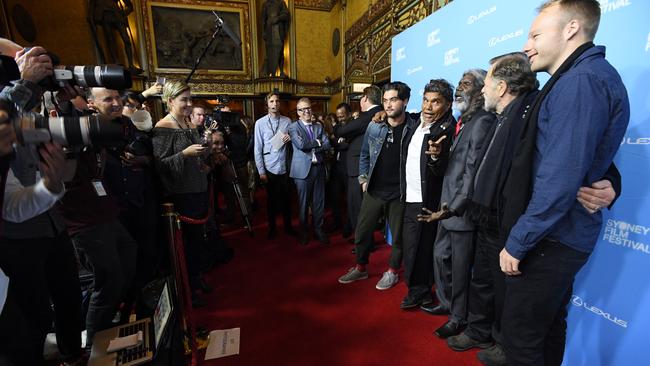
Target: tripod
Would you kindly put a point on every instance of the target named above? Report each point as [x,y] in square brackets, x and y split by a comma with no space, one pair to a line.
[240,199]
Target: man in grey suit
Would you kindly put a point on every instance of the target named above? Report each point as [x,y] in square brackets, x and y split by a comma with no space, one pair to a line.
[308,170]
[454,247]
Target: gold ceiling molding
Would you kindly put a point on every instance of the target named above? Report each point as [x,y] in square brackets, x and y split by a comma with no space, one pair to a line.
[324,5]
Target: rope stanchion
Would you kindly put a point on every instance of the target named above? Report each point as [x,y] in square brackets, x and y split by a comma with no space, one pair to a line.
[181,280]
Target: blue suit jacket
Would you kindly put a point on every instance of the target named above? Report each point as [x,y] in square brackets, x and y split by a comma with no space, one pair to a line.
[303,146]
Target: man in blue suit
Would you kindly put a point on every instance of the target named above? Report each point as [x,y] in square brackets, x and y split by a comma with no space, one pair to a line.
[308,169]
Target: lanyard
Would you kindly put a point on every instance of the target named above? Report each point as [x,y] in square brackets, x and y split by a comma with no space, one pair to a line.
[271,126]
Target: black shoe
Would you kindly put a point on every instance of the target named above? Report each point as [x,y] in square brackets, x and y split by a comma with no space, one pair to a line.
[434,309]
[271,235]
[493,356]
[410,302]
[449,329]
[463,342]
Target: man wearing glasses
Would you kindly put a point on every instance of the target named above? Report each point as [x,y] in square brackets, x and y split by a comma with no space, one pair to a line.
[310,142]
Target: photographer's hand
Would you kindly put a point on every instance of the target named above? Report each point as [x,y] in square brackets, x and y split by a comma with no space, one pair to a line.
[51,166]
[7,135]
[34,65]
[155,89]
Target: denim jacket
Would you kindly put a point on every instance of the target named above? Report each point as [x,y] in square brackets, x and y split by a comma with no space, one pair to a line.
[373,141]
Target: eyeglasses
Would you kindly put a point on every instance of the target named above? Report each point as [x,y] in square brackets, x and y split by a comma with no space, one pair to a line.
[303,110]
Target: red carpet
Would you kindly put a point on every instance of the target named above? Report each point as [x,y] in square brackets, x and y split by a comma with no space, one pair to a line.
[292,311]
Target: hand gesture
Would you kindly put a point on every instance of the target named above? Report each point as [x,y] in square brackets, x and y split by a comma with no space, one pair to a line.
[435,147]
[379,117]
[155,89]
[52,166]
[509,264]
[599,195]
[194,150]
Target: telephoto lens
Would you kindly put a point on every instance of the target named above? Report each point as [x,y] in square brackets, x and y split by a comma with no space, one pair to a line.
[95,130]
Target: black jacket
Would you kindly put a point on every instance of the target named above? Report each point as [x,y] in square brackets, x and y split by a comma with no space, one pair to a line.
[353,132]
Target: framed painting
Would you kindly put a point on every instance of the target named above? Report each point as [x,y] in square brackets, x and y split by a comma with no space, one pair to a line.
[178,34]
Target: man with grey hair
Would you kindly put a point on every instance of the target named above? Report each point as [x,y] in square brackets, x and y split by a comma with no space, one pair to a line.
[454,245]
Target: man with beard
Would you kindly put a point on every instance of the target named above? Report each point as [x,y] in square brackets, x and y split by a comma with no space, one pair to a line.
[379,163]
[571,134]
[454,245]
[271,139]
[423,187]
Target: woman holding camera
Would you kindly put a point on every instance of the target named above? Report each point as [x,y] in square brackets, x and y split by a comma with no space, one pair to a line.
[179,153]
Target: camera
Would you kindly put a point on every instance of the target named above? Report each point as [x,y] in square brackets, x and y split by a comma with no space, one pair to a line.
[106,76]
[88,76]
[33,128]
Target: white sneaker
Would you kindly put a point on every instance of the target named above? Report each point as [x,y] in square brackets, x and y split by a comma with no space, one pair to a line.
[388,280]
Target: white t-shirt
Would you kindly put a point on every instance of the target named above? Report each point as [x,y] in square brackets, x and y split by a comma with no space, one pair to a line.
[413,177]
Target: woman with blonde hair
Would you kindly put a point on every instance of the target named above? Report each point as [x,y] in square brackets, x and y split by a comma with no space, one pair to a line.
[179,154]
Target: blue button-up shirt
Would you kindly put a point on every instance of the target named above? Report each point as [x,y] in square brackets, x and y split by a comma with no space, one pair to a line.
[266,157]
[581,124]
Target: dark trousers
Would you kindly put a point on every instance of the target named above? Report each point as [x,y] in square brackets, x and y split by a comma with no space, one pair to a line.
[372,209]
[355,197]
[109,252]
[20,342]
[141,223]
[535,307]
[311,193]
[486,288]
[452,256]
[418,239]
[277,199]
[41,270]
[336,190]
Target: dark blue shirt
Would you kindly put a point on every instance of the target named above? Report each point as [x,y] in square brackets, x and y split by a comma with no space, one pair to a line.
[581,124]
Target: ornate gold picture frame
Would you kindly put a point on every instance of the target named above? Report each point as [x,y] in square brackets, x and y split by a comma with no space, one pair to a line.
[178,33]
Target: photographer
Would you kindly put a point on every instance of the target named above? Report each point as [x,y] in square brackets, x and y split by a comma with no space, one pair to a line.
[36,253]
[91,212]
[236,142]
[129,177]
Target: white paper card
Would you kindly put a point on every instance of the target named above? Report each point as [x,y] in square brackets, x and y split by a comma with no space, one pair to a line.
[99,188]
[276,140]
[223,342]
[4,287]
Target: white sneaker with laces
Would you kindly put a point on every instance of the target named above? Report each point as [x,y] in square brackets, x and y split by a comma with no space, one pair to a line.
[388,280]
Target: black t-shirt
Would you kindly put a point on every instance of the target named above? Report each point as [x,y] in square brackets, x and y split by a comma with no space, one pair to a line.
[384,183]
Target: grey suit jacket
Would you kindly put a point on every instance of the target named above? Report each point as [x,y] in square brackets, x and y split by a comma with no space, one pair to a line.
[461,168]
[303,146]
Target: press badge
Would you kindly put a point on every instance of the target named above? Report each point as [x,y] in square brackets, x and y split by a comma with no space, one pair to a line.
[99,188]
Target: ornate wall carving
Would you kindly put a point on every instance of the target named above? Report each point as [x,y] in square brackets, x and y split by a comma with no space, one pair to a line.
[325,5]
[367,41]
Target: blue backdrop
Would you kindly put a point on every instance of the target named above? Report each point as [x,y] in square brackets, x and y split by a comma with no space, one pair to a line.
[607,320]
